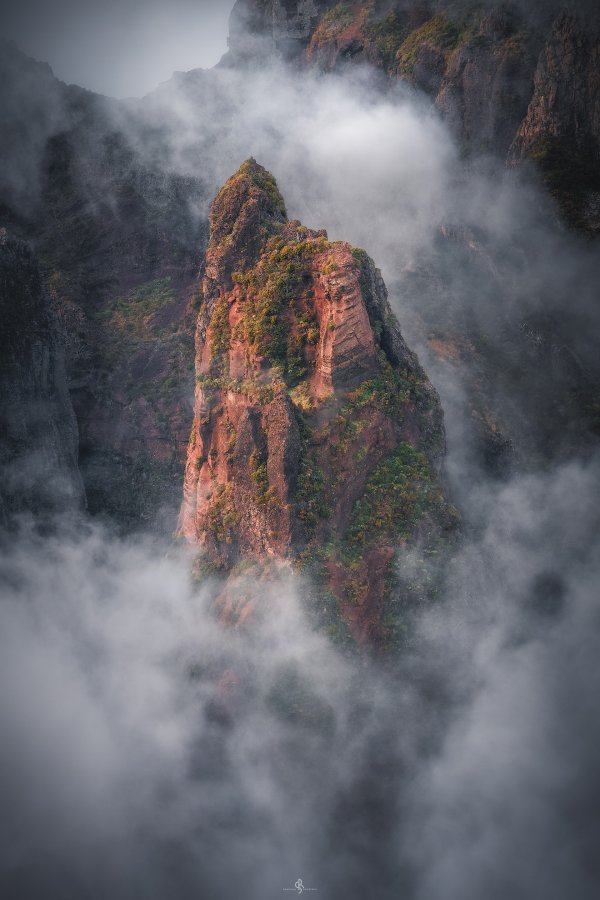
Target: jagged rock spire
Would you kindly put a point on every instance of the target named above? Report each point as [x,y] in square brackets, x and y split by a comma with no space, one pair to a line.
[316,437]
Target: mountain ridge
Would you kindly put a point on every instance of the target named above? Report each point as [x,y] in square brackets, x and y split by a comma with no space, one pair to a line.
[519,83]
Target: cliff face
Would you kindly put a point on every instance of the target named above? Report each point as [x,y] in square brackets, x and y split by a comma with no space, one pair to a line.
[477,66]
[118,242]
[38,450]
[561,130]
[520,84]
[120,245]
[317,437]
[486,82]
[119,235]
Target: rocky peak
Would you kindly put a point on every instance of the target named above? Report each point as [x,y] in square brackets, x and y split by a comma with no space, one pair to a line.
[317,437]
[245,211]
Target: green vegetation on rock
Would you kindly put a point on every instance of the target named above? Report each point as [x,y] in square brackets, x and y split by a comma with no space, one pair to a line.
[385,36]
[222,516]
[310,492]
[339,491]
[258,473]
[333,23]
[251,388]
[515,45]
[220,331]
[397,493]
[441,32]
[260,178]
[277,321]
[133,315]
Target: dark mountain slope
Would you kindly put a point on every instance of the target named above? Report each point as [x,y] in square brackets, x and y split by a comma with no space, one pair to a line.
[118,244]
[39,445]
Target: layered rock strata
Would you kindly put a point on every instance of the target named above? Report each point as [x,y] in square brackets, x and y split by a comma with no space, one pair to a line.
[317,438]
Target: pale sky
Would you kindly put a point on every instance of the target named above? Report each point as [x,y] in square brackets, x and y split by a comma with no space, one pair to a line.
[118,47]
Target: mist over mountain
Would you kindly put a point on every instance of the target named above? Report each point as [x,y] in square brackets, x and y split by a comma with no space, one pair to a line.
[299,461]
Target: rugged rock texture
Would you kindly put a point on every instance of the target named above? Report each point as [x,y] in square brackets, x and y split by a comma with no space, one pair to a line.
[561,130]
[120,245]
[87,182]
[38,449]
[486,83]
[531,391]
[519,81]
[118,240]
[317,437]
[516,81]
[476,65]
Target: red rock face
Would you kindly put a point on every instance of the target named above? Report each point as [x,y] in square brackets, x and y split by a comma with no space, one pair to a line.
[307,400]
[346,348]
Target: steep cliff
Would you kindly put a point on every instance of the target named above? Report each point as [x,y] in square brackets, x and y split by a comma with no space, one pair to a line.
[561,130]
[38,444]
[117,236]
[317,438]
[120,244]
[475,63]
[517,81]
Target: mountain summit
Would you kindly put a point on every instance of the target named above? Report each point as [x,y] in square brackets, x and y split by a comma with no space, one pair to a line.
[317,438]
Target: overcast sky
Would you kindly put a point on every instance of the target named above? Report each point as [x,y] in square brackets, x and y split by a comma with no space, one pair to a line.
[118,47]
